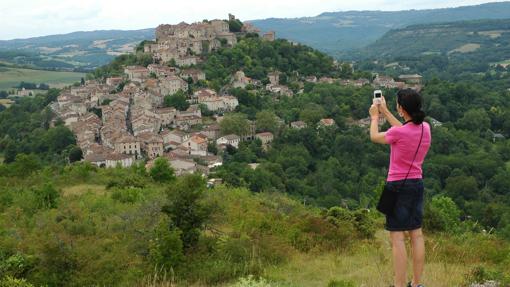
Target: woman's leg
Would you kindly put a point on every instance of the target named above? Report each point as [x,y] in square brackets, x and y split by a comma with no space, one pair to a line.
[399,257]
[418,246]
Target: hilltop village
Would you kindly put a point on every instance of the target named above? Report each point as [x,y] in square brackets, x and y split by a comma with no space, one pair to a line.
[122,120]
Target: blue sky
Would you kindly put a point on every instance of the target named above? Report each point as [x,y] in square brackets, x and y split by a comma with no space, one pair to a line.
[29,18]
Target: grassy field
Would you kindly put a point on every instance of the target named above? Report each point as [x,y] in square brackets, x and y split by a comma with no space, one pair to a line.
[10,77]
[367,264]
[6,102]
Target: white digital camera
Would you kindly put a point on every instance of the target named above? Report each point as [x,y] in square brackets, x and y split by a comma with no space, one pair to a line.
[377,96]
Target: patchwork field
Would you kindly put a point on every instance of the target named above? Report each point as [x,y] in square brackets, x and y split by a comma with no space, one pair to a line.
[10,77]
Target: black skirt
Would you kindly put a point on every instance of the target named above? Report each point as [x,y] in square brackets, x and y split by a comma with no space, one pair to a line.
[408,212]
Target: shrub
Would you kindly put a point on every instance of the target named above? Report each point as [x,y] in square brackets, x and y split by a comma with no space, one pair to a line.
[318,232]
[162,171]
[16,265]
[186,208]
[9,281]
[339,213]
[362,220]
[57,262]
[127,181]
[235,250]
[166,248]
[441,214]
[24,165]
[79,171]
[365,223]
[6,197]
[47,196]
[128,195]
[481,275]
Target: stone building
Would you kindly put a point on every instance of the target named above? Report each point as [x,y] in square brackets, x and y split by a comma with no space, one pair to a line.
[184,42]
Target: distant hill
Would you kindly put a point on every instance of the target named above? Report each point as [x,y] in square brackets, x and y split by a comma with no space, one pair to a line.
[338,32]
[82,50]
[489,39]
[444,49]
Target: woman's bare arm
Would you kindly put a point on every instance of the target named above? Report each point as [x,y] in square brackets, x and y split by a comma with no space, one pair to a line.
[394,122]
[375,135]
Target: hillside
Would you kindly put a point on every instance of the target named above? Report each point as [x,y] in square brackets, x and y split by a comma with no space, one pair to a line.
[452,50]
[338,32]
[486,40]
[87,226]
[77,50]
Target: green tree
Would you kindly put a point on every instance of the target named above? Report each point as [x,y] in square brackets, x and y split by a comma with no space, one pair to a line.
[476,120]
[346,70]
[186,209]
[312,113]
[10,151]
[234,123]
[500,182]
[212,148]
[58,138]
[235,25]
[75,154]
[162,171]
[141,45]
[177,100]
[462,187]
[266,121]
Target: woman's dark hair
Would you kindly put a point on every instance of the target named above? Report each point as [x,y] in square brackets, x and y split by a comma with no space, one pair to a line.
[411,101]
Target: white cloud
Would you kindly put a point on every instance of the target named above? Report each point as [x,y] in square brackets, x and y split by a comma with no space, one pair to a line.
[29,18]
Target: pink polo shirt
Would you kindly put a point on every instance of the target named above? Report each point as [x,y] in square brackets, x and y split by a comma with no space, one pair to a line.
[404,142]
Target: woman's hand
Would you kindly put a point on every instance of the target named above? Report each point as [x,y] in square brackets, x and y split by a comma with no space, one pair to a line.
[374,111]
[383,108]
[375,135]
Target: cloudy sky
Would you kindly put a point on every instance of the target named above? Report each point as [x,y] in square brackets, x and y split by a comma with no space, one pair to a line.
[29,18]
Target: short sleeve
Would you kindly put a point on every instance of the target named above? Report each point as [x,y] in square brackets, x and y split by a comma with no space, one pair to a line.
[392,135]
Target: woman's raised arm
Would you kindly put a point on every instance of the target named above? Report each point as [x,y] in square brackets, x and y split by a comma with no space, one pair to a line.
[394,122]
[375,135]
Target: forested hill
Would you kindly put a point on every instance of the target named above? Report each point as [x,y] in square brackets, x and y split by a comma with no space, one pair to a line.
[485,39]
[465,50]
[337,32]
[77,50]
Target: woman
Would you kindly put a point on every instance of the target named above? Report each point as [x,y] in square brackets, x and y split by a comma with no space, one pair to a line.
[410,143]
